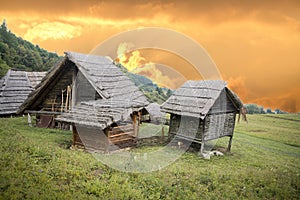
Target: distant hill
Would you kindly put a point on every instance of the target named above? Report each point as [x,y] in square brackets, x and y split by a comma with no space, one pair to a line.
[20,54]
[152,91]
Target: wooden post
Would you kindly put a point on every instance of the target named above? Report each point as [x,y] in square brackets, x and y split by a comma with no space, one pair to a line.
[29,119]
[67,99]
[202,137]
[106,133]
[62,101]
[163,133]
[70,97]
[230,139]
[134,125]
[202,145]
[170,123]
[74,134]
[74,82]
[229,144]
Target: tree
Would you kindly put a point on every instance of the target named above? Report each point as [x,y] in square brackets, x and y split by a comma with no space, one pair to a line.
[169,93]
[253,109]
[269,111]
[159,90]
[262,111]
[278,111]
[3,67]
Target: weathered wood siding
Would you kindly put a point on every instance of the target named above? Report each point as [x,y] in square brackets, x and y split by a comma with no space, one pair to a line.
[219,125]
[53,90]
[89,138]
[223,104]
[84,90]
[110,139]
[219,122]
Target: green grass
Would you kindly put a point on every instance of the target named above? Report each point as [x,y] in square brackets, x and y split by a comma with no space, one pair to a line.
[264,164]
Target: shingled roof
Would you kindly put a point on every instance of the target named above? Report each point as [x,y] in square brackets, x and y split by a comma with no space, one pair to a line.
[100,113]
[196,98]
[106,78]
[15,86]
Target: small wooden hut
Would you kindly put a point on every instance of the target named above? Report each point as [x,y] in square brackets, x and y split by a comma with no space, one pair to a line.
[103,125]
[202,111]
[151,113]
[78,89]
[15,87]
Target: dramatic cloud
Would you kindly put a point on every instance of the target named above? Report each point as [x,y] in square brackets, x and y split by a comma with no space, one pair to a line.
[137,64]
[255,44]
[52,30]
[289,102]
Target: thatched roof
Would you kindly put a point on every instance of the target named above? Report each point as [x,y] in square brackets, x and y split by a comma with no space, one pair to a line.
[15,86]
[106,78]
[100,113]
[196,98]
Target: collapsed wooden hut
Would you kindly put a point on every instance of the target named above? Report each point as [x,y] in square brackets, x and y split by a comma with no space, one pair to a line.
[15,87]
[78,89]
[151,113]
[201,111]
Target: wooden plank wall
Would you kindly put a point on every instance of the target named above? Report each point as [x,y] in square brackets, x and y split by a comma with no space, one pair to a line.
[52,94]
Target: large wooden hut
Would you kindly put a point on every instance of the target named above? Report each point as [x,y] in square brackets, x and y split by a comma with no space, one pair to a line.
[202,111]
[76,87]
[15,86]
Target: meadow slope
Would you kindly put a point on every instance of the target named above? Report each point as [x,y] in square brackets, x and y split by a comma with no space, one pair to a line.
[264,164]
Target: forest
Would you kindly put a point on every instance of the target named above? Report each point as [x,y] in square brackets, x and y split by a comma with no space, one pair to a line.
[16,53]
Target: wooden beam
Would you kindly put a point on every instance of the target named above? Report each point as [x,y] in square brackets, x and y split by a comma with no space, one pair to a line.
[42,112]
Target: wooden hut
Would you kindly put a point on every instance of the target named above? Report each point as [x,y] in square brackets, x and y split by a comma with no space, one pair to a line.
[15,86]
[103,125]
[75,87]
[202,111]
[151,113]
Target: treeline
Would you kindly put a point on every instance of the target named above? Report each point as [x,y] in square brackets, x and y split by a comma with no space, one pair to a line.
[20,54]
[256,109]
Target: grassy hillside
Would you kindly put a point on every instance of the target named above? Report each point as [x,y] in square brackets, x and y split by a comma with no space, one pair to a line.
[264,164]
[152,91]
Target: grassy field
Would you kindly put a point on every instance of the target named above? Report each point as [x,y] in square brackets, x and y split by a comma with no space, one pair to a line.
[264,164]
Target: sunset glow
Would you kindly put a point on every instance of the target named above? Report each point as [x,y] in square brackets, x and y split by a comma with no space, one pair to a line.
[256,45]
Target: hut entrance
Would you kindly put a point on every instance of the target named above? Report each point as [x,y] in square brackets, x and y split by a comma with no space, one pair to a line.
[68,89]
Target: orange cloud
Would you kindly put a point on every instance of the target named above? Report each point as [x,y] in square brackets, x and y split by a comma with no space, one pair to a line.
[289,102]
[238,85]
[52,30]
[136,63]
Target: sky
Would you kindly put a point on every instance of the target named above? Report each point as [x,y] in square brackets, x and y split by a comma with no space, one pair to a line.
[254,44]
